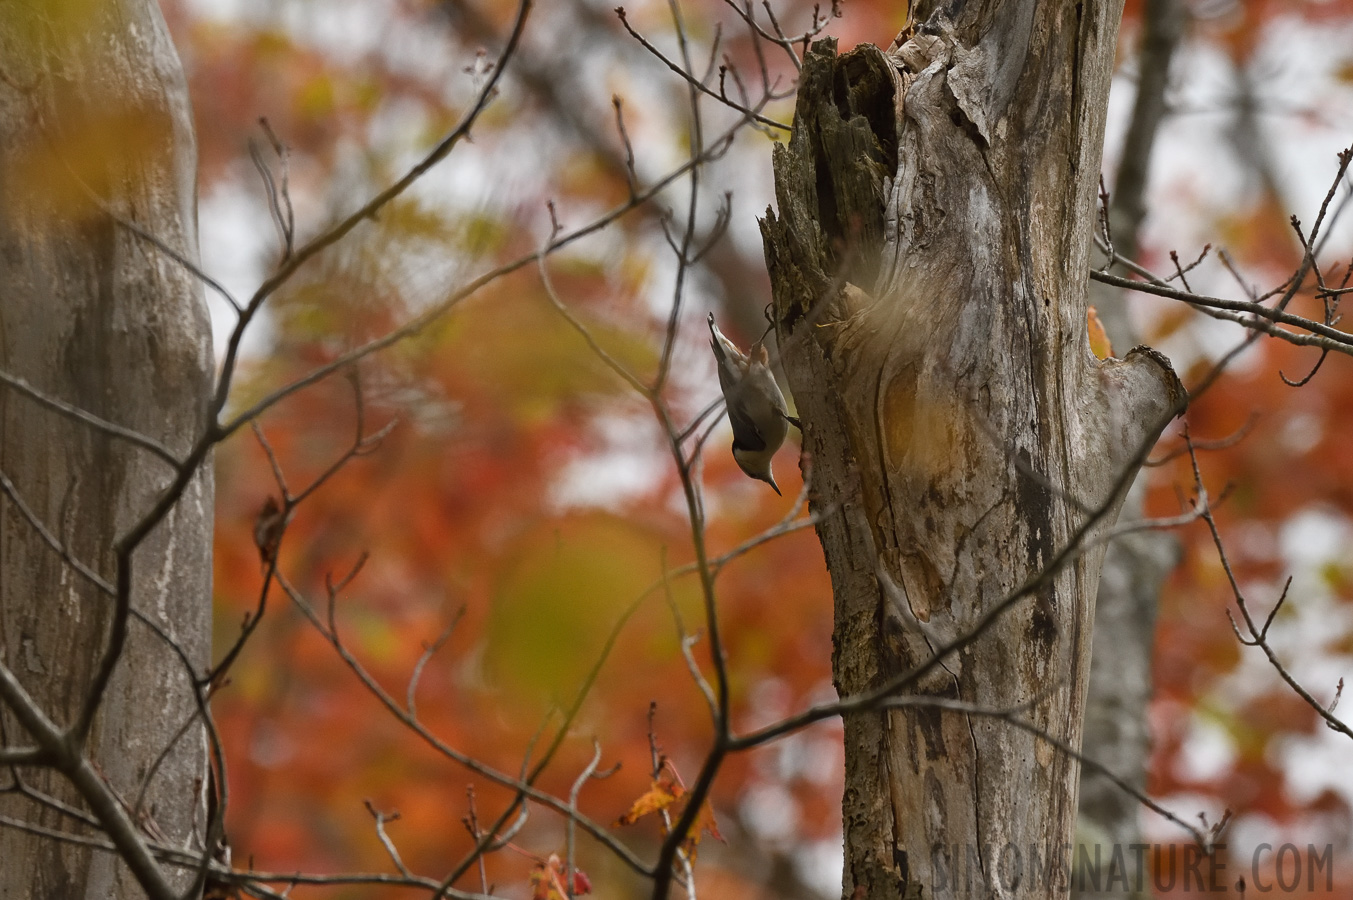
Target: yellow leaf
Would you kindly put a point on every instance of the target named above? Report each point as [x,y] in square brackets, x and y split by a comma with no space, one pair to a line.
[662,794]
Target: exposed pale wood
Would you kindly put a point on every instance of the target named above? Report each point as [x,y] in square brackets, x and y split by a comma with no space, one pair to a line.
[929,262]
[93,99]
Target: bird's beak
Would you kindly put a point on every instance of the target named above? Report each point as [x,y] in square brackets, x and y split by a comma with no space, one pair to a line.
[770,480]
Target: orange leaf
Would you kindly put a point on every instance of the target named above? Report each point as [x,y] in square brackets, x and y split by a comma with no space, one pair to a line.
[1099,338]
[708,825]
[704,825]
[662,794]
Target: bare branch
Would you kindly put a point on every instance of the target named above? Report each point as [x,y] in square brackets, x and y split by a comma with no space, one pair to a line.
[1265,318]
[93,421]
[472,825]
[380,819]
[600,352]
[22,756]
[696,83]
[436,743]
[570,838]
[67,756]
[50,539]
[687,641]
[429,651]
[631,176]
[1259,635]
[278,196]
[250,880]
[1011,716]
[416,325]
[368,210]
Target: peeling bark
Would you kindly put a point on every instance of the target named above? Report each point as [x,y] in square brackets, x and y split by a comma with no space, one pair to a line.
[94,118]
[929,262]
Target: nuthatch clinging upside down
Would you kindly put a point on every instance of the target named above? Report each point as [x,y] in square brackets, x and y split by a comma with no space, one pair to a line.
[756,408]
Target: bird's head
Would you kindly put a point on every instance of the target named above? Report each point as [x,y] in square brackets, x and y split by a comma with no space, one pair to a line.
[756,465]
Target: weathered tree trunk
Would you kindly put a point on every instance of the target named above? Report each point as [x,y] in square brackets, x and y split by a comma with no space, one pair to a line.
[930,262]
[94,119]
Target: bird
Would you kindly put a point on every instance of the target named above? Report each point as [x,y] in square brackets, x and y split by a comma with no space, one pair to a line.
[756,408]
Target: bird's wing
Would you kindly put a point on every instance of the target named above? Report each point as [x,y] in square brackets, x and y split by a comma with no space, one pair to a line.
[761,358]
[745,433]
[746,436]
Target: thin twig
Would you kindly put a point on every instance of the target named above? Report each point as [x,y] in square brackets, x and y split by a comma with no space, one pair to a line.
[696,83]
[1011,716]
[1259,636]
[84,417]
[420,730]
[429,650]
[570,838]
[380,819]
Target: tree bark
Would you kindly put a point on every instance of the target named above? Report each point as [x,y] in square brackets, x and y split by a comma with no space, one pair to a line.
[929,263]
[95,123]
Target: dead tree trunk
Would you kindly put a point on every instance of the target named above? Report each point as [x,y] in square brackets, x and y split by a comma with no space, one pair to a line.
[95,124]
[929,263]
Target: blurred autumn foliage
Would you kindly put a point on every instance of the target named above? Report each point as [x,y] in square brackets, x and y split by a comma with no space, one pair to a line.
[523,508]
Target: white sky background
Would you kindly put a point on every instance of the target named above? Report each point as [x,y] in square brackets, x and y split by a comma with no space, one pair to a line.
[1196,180]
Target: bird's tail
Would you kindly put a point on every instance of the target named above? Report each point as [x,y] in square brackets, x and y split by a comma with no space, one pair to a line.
[715,338]
[723,347]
